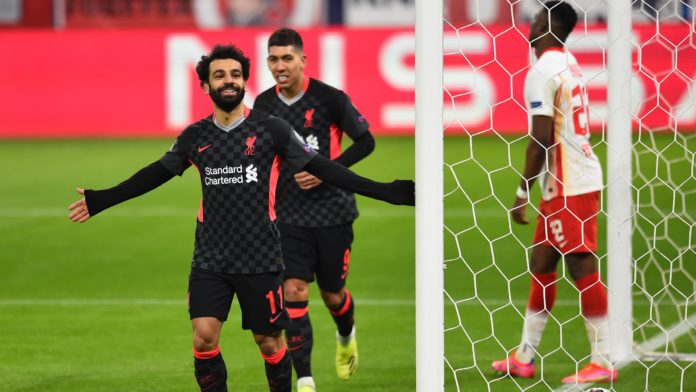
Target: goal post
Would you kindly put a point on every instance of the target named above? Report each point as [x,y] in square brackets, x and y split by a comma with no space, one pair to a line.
[618,188]
[429,206]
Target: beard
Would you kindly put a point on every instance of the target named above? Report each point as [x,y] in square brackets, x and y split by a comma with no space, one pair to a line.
[227,104]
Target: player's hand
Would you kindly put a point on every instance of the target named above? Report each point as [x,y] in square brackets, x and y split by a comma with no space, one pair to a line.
[307,181]
[407,192]
[517,212]
[79,211]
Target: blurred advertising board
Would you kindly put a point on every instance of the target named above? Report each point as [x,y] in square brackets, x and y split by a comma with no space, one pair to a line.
[26,13]
[203,14]
[10,12]
[104,83]
[379,13]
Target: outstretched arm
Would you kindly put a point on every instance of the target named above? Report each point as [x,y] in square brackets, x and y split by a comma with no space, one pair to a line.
[399,192]
[95,201]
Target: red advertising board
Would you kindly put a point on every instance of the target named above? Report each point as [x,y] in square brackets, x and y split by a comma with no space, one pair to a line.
[103,83]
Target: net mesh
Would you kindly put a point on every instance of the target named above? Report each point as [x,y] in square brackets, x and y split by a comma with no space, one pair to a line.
[486,58]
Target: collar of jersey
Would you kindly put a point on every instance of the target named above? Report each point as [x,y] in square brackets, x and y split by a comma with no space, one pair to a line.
[305,86]
[234,124]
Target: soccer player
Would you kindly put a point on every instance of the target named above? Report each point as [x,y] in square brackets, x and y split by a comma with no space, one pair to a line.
[237,153]
[315,219]
[570,177]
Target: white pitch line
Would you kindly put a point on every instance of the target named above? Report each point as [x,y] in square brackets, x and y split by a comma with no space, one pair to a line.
[178,302]
[674,332]
[520,303]
[92,302]
[158,302]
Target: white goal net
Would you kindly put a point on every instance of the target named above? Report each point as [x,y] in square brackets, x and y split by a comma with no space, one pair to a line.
[651,278]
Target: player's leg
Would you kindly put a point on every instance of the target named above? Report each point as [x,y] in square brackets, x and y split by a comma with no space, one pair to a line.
[210,370]
[300,258]
[582,265]
[542,295]
[299,333]
[341,306]
[261,299]
[276,360]
[209,298]
[332,271]
[593,302]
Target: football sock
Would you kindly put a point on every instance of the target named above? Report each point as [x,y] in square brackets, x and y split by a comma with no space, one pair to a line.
[299,337]
[534,324]
[542,295]
[593,301]
[279,370]
[542,292]
[210,370]
[598,333]
[343,315]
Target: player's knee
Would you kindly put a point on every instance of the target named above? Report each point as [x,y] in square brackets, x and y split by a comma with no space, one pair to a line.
[269,343]
[205,340]
[333,299]
[206,334]
[541,268]
[581,265]
[544,260]
[296,290]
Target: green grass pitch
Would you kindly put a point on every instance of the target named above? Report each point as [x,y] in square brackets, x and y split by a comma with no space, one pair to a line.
[101,306]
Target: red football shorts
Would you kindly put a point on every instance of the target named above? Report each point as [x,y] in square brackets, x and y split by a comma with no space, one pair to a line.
[568,223]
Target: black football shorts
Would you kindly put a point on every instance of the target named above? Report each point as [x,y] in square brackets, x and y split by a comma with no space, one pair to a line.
[322,252]
[260,297]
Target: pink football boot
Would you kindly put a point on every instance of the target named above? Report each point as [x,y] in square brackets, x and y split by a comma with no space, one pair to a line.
[513,367]
[592,372]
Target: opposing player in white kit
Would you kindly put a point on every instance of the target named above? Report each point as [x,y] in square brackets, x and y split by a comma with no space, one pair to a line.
[560,155]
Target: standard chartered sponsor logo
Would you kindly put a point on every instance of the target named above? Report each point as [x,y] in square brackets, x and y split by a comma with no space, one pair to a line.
[251,174]
[216,171]
[230,175]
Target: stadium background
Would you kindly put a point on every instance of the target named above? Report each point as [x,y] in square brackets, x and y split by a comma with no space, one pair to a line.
[93,90]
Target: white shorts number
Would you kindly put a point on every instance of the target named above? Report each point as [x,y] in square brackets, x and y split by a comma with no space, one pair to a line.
[556,228]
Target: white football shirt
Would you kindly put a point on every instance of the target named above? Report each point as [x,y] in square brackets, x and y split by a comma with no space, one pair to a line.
[554,87]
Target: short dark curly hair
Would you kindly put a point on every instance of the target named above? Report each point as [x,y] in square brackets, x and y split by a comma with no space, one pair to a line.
[221,52]
[286,37]
[563,16]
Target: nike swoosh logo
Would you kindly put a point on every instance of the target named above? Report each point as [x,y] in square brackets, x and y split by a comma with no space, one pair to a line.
[274,319]
[201,149]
